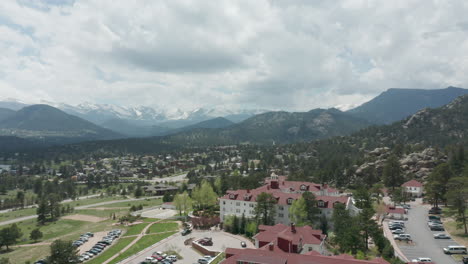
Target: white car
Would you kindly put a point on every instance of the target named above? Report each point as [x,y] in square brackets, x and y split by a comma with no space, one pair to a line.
[441,236]
[172,258]
[421,260]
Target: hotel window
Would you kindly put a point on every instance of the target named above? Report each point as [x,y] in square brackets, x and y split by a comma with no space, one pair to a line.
[280,215]
[290,200]
[321,203]
[238,204]
[237,210]
[251,205]
[281,207]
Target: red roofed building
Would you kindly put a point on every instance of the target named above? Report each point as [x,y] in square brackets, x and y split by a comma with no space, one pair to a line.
[395,212]
[290,239]
[270,256]
[414,188]
[240,202]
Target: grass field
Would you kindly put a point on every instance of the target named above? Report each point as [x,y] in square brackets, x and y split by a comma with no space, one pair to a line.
[32,254]
[141,244]
[162,227]
[135,229]
[63,228]
[111,251]
[107,213]
[145,203]
[17,214]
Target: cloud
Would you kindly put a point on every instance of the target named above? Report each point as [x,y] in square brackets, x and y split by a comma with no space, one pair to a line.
[292,55]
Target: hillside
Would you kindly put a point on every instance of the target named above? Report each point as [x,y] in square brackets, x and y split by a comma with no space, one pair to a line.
[43,121]
[276,127]
[429,127]
[397,104]
[5,113]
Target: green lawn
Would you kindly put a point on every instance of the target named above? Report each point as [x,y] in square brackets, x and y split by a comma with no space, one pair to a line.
[145,203]
[64,228]
[102,213]
[111,251]
[141,244]
[94,200]
[162,227]
[32,254]
[135,229]
[17,213]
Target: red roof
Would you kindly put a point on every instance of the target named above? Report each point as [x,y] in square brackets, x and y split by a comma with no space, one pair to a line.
[270,234]
[284,192]
[275,257]
[395,210]
[412,183]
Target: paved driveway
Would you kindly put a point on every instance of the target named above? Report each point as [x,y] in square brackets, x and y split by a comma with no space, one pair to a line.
[424,244]
[221,240]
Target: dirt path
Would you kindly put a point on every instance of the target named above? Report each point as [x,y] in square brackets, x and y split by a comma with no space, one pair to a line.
[142,233]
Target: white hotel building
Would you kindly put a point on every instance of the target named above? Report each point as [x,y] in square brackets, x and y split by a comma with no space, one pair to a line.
[240,202]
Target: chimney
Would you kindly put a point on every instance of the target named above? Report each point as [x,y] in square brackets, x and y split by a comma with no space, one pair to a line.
[248,190]
[293,228]
[270,246]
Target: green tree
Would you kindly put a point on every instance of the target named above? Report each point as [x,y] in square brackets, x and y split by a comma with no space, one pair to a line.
[458,198]
[265,209]
[251,228]
[138,192]
[35,235]
[311,204]
[242,224]
[437,184]
[392,176]
[363,198]
[62,252]
[20,198]
[368,225]
[183,203]
[204,196]
[9,236]
[5,261]
[298,212]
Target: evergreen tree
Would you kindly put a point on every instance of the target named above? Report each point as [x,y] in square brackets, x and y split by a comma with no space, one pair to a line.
[242,224]
[265,209]
[311,205]
[458,199]
[392,176]
[62,252]
[35,235]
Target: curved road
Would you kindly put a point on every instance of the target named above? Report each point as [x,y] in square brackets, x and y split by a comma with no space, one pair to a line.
[77,208]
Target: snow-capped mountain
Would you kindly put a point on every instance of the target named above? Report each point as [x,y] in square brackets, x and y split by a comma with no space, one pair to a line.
[142,115]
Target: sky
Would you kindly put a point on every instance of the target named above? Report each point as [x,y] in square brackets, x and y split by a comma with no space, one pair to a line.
[277,54]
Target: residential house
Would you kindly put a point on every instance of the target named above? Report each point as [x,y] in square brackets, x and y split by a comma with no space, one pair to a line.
[413,188]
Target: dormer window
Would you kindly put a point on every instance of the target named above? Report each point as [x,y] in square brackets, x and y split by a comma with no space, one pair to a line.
[303,187]
[320,203]
[232,196]
[290,200]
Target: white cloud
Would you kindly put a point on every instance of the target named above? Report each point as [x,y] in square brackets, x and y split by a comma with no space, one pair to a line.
[293,55]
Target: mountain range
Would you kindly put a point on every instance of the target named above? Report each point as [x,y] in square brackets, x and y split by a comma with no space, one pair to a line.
[51,125]
[397,104]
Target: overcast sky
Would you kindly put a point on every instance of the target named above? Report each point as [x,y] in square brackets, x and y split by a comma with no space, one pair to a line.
[291,55]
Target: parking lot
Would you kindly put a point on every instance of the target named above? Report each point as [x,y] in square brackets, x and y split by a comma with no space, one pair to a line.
[423,243]
[221,241]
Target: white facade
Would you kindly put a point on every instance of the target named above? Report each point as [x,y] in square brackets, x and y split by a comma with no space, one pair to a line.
[414,191]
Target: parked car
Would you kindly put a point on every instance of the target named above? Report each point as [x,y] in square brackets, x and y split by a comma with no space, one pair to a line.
[435,210]
[243,244]
[172,258]
[441,236]
[186,232]
[207,241]
[203,261]
[455,250]
[401,237]
[465,260]
[395,226]
[437,228]
[434,217]
[398,231]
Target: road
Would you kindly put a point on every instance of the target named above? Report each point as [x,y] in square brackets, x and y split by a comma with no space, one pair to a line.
[424,244]
[77,208]
[221,241]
